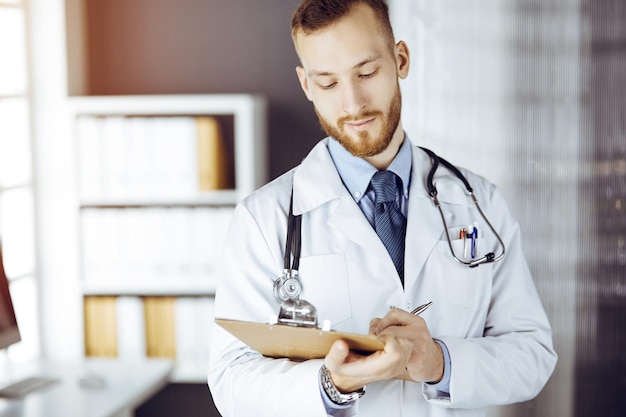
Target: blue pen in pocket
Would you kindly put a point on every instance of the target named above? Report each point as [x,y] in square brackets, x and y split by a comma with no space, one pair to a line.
[474,237]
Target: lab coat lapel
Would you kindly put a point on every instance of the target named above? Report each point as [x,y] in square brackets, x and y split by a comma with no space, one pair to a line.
[424,226]
[316,182]
[350,221]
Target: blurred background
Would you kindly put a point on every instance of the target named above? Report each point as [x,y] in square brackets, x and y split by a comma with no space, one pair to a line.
[529,93]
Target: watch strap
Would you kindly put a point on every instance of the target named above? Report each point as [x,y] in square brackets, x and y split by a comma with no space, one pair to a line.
[333,393]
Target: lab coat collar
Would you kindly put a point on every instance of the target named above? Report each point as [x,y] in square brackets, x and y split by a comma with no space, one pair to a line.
[316,180]
[356,172]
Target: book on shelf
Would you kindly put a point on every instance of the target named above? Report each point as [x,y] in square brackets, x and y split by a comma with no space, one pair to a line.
[151,157]
[194,317]
[133,327]
[152,245]
[100,326]
[160,327]
[213,167]
[131,330]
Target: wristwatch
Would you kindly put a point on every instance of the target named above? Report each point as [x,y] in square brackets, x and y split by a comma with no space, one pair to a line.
[333,393]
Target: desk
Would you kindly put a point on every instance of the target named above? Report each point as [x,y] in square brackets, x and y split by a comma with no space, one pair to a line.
[126,386]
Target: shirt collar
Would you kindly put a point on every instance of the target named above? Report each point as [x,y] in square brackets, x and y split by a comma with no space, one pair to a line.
[356,172]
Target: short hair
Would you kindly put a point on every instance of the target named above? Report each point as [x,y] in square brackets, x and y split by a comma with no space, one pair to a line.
[314,15]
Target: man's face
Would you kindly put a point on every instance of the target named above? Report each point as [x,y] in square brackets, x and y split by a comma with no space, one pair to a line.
[350,73]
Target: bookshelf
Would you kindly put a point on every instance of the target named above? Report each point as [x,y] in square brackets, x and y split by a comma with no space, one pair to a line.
[158,179]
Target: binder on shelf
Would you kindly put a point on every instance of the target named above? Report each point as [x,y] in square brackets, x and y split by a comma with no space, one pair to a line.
[100,326]
[134,327]
[114,156]
[152,246]
[213,161]
[194,316]
[131,342]
[186,331]
[172,162]
[89,130]
[183,137]
[159,313]
[206,315]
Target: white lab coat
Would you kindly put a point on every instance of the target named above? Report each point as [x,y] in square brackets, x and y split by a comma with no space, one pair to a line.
[490,317]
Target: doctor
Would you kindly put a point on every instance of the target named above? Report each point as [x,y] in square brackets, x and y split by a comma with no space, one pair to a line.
[484,341]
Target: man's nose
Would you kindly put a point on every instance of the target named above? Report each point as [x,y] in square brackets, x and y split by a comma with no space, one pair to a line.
[354,99]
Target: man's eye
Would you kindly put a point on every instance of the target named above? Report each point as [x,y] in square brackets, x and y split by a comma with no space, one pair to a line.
[368,75]
[327,86]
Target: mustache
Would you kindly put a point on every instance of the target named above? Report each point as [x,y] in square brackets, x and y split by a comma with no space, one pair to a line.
[357,117]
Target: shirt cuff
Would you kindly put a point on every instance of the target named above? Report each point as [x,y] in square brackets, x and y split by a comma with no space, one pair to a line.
[444,384]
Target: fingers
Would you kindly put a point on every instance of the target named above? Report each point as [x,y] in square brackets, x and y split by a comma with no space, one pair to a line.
[348,370]
[395,317]
[408,350]
[398,352]
[404,332]
[337,355]
[374,325]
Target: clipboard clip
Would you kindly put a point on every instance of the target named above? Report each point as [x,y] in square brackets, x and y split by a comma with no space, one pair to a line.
[298,313]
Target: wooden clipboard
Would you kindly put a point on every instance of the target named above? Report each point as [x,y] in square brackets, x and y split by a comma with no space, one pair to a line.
[284,341]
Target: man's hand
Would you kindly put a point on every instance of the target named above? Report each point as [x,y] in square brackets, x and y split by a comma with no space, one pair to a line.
[426,357]
[408,348]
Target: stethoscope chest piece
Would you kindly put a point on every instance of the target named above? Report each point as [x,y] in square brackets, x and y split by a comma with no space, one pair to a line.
[288,287]
[293,310]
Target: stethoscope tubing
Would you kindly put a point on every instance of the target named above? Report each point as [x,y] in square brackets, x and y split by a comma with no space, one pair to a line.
[294,239]
[432,191]
[489,257]
[289,285]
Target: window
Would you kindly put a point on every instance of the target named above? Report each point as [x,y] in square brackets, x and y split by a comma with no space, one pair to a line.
[17,220]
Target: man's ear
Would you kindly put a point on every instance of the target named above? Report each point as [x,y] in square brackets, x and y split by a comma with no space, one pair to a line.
[402,59]
[304,82]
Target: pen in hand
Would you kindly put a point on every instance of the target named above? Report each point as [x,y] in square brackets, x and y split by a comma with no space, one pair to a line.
[418,310]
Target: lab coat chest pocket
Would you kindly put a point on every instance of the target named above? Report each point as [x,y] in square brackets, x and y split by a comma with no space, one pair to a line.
[464,286]
[325,285]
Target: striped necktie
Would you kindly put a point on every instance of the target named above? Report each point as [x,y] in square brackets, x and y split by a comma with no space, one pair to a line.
[389,222]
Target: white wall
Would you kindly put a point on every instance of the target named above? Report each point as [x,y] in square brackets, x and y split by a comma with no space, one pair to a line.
[496,87]
[60,309]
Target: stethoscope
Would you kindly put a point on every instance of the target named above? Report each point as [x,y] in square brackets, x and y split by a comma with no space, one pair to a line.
[432,191]
[289,286]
